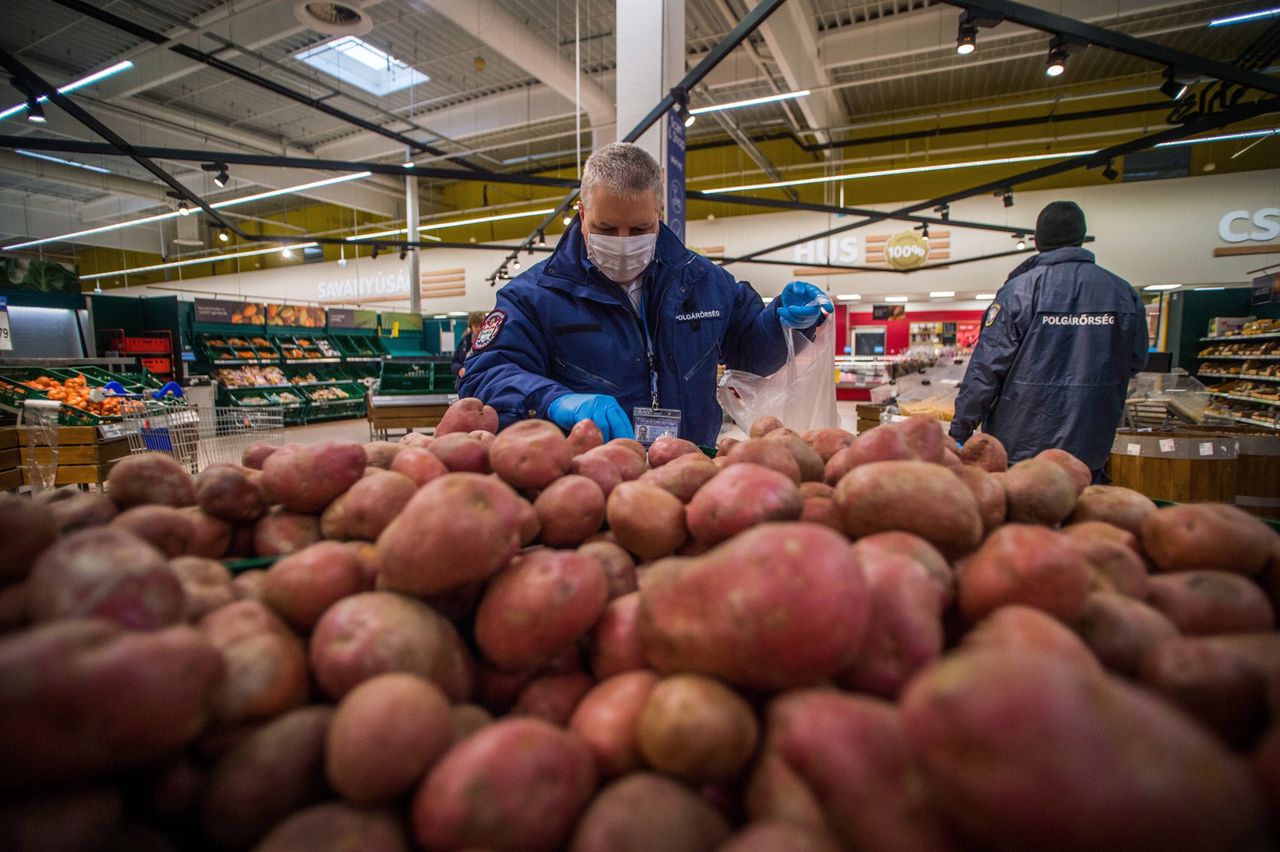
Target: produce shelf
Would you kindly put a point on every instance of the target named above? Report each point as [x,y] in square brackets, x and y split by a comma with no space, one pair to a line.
[1241,338]
[1249,376]
[1239,357]
[1254,399]
[1249,420]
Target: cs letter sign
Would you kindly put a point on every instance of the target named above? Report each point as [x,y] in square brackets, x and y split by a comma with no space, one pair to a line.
[1240,226]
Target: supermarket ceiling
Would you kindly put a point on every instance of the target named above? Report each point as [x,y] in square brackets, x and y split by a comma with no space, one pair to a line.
[885,82]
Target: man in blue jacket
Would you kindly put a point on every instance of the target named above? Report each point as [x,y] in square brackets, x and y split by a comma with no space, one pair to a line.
[1056,351]
[623,317]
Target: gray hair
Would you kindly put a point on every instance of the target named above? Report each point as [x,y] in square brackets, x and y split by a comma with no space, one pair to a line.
[624,169]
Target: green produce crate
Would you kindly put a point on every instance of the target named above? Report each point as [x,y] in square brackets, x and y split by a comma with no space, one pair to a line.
[406,377]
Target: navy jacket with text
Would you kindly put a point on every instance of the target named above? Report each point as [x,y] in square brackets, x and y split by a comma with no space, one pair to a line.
[1054,358]
[562,327]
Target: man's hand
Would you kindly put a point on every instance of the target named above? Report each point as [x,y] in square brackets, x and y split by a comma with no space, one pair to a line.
[603,410]
[803,305]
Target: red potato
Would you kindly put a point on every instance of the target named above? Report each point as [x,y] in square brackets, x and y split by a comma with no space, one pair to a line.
[530,454]
[986,452]
[821,510]
[27,528]
[993,503]
[1039,492]
[1204,603]
[1112,555]
[918,550]
[585,435]
[1016,626]
[773,455]
[478,796]
[81,511]
[273,772]
[882,443]
[419,464]
[646,520]
[741,496]
[1037,785]
[303,585]
[764,425]
[682,476]
[669,447]
[13,607]
[615,640]
[630,464]
[256,454]
[380,454]
[461,452]
[910,496]
[377,632]
[163,527]
[598,468]
[83,698]
[206,585]
[1121,507]
[776,793]
[1120,630]
[607,719]
[697,729]
[1081,476]
[539,607]
[619,567]
[458,528]
[570,510]
[811,465]
[553,697]
[105,572]
[280,532]
[644,811]
[1209,537]
[468,415]
[496,691]
[146,478]
[725,444]
[308,477]
[904,629]
[415,439]
[385,734]
[1025,564]
[68,821]
[266,663]
[852,754]
[827,442]
[211,537]
[247,585]
[925,437]
[466,719]
[335,827]
[779,837]
[795,608]
[366,509]
[817,489]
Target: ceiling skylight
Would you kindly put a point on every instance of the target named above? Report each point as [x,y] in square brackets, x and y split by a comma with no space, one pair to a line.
[361,64]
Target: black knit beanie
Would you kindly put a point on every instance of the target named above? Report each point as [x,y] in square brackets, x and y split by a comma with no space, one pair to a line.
[1060,223]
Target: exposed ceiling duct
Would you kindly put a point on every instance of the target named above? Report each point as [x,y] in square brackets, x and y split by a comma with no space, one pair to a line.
[339,19]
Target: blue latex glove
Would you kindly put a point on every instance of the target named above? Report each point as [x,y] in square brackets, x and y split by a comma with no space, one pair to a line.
[803,305]
[567,410]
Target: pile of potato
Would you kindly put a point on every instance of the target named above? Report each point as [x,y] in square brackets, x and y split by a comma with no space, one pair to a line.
[523,640]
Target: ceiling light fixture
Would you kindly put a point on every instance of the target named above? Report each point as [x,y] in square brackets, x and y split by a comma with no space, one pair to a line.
[749,102]
[942,294]
[515,264]
[1022,241]
[1110,172]
[286,252]
[189,262]
[967,36]
[1247,16]
[224,237]
[896,299]
[404,252]
[1056,64]
[542,238]
[849,297]
[35,112]
[686,117]
[221,177]
[434,226]
[983,297]
[943,211]
[184,209]
[568,217]
[38,156]
[374,254]
[73,86]
[1222,137]
[1175,85]
[1162,287]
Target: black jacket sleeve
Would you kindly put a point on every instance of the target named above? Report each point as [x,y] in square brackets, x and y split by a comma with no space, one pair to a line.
[1003,327]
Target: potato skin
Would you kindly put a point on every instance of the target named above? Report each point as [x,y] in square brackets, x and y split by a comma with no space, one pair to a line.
[210,537]
[993,502]
[477,796]
[986,452]
[461,452]
[646,520]
[644,811]
[1016,626]
[615,639]
[779,837]
[366,509]
[105,572]
[827,442]
[741,496]
[81,511]
[266,663]
[467,415]
[256,454]
[206,584]
[456,529]
[1113,558]
[911,496]
[163,527]
[1036,786]
[419,464]
[682,476]
[916,549]
[570,511]
[1204,603]
[1025,564]
[619,567]
[667,448]
[585,435]
[530,454]
[385,735]
[377,632]
[27,527]
[607,718]
[225,492]
[697,729]
[308,477]
[145,478]
[335,827]
[1120,630]
[302,585]
[1078,471]
[879,444]
[1207,536]
[1121,507]
[553,697]
[598,468]
[280,532]
[763,426]
[539,607]
[798,610]
[1039,492]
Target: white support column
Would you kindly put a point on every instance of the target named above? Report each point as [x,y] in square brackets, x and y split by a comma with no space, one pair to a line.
[650,46]
[411,233]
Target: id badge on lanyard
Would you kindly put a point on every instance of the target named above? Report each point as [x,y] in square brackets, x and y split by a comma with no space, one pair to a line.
[654,422]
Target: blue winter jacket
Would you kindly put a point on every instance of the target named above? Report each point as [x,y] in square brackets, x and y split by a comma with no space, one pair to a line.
[562,327]
[1054,358]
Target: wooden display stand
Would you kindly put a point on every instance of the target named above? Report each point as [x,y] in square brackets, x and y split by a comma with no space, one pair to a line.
[403,413]
[1176,466]
[84,457]
[10,459]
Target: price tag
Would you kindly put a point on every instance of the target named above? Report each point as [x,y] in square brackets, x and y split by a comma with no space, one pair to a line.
[1166,445]
[1133,450]
[6,338]
[1206,448]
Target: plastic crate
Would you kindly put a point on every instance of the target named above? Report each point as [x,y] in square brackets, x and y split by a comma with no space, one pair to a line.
[400,377]
[147,345]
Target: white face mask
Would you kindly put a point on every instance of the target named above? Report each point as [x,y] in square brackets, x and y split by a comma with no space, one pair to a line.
[621,259]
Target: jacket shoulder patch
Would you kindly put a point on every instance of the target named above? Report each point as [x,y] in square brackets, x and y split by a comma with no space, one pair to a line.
[489,329]
[992,313]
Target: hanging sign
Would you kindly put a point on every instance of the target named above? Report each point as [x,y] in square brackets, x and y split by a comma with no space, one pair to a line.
[6,337]
[675,174]
[348,318]
[906,250]
[224,312]
[296,316]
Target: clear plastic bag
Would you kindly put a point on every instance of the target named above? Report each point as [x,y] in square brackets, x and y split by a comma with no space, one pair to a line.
[802,393]
[41,419]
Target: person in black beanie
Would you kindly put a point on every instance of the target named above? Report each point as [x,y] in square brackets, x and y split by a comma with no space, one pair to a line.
[1057,348]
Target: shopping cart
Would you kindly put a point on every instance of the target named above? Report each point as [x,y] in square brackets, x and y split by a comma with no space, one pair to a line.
[198,436]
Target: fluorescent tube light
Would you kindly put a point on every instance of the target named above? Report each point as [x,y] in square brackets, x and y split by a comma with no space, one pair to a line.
[214,258]
[767,99]
[1223,137]
[37,155]
[1199,289]
[896,299]
[1162,287]
[73,86]
[942,294]
[1247,16]
[849,297]
[983,297]
[438,225]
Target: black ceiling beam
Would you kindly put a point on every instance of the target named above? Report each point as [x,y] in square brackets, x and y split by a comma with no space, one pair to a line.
[71,146]
[1191,128]
[37,85]
[780,204]
[723,48]
[212,61]
[1079,31]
